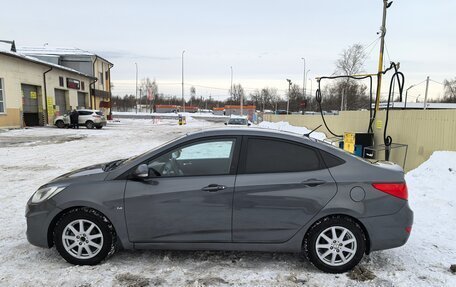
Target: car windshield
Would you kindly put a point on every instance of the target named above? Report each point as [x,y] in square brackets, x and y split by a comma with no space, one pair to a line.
[99,113]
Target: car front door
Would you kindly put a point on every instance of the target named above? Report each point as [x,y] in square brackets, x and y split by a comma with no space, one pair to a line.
[281,185]
[188,195]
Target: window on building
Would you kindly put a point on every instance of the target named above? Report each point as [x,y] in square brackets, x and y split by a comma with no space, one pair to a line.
[82,86]
[107,76]
[101,79]
[275,156]
[61,81]
[2,97]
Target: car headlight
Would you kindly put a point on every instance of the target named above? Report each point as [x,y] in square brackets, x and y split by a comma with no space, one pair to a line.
[45,193]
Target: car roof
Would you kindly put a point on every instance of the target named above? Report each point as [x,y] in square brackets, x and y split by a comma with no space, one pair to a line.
[88,110]
[253,131]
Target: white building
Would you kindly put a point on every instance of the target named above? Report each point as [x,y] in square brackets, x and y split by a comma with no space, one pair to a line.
[33,92]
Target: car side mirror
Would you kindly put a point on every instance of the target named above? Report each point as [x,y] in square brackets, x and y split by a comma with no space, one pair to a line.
[249,124]
[226,124]
[142,171]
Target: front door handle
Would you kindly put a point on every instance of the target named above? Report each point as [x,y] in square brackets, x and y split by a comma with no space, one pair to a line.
[213,188]
[313,182]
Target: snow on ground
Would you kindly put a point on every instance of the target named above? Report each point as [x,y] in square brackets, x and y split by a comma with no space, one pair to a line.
[31,157]
[285,126]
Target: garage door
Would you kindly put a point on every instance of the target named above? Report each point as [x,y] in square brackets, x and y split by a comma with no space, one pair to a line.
[60,102]
[30,105]
[82,100]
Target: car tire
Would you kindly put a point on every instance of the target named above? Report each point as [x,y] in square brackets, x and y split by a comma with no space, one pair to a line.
[99,127]
[86,244]
[60,124]
[90,125]
[335,244]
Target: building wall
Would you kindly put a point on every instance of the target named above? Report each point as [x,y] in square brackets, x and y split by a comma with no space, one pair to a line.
[16,72]
[423,131]
[104,85]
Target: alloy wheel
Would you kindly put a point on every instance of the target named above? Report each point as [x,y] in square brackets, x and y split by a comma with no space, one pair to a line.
[82,239]
[336,246]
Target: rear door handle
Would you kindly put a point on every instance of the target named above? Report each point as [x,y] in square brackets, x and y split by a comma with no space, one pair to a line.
[213,188]
[313,182]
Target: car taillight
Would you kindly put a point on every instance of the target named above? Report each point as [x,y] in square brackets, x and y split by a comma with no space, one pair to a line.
[96,116]
[395,189]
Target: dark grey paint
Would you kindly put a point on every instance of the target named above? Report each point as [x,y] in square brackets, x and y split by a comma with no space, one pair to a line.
[263,212]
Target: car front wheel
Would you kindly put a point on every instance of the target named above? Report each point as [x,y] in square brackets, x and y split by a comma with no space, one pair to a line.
[90,125]
[84,237]
[335,244]
[60,124]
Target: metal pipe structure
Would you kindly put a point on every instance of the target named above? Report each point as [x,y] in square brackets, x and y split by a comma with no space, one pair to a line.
[426,94]
[45,95]
[406,92]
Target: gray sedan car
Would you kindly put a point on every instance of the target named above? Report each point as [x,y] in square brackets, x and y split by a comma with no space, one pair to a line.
[227,189]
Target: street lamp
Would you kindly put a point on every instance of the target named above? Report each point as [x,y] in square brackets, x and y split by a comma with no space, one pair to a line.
[136,88]
[310,79]
[304,78]
[307,74]
[183,100]
[288,101]
[406,91]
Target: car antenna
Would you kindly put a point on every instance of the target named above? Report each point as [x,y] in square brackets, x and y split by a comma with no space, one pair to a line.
[308,134]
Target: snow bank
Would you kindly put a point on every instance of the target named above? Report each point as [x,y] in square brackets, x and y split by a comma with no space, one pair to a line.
[285,126]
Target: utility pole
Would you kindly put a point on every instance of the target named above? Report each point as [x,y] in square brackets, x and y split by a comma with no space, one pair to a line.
[288,101]
[426,93]
[386,5]
[183,100]
[136,89]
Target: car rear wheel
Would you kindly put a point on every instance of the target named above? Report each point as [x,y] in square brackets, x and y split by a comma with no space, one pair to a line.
[335,244]
[84,237]
[60,124]
[90,125]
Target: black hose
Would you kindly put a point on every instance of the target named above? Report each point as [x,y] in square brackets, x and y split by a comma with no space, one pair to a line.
[319,99]
[400,79]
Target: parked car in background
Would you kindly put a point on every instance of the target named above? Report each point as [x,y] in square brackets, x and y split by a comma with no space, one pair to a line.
[282,112]
[89,118]
[238,121]
[227,189]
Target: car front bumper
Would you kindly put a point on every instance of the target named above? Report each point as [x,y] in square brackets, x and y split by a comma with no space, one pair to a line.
[389,231]
[39,217]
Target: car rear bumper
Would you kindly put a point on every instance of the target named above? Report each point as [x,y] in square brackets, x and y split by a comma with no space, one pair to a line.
[39,218]
[389,231]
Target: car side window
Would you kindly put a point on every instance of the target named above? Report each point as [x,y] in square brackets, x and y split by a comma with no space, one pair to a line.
[267,155]
[209,157]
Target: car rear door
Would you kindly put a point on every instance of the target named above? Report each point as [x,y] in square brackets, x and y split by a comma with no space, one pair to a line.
[188,196]
[281,185]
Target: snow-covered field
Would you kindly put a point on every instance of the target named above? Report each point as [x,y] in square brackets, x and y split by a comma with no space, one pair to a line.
[31,157]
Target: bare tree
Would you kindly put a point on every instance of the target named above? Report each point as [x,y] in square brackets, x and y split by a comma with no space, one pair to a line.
[450,91]
[351,62]
[148,92]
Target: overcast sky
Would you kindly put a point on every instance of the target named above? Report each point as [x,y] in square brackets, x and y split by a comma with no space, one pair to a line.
[263,41]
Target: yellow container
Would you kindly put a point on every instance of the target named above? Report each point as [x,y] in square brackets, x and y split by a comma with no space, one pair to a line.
[349,142]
